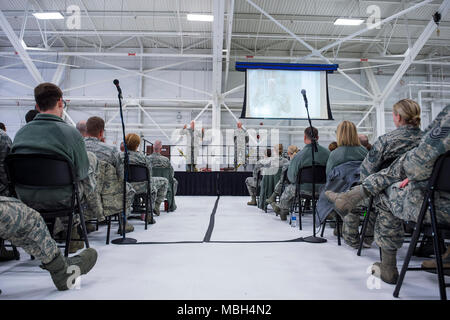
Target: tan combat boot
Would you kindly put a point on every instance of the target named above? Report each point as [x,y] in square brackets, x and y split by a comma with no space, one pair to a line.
[252,202]
[58,267]
[344,202]
[386,270]
[272,199]
[74,244]
[156,210]
[283,214]
[445,263]
[276,208]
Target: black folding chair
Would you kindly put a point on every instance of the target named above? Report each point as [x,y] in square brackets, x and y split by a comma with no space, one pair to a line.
[258,187]
[439,181]
[141,173]
[386,163]
[338,222]
[48,172]
[14,249]
[306,175]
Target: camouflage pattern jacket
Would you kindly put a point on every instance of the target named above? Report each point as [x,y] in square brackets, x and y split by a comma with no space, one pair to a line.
[5,148]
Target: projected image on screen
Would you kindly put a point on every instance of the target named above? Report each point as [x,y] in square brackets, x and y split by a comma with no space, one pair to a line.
[277,94]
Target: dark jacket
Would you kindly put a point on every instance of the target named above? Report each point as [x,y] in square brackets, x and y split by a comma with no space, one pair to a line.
[340,179]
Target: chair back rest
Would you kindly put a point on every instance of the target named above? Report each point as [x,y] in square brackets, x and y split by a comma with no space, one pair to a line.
[306,174]
[440,177]
[39,170]
[138,173]
[162,172]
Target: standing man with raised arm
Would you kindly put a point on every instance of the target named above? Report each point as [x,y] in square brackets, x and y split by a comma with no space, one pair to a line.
[240,138]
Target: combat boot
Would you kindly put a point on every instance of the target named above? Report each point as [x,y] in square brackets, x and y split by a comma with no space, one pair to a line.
[252,202]
[283,214]
[432,263]
[128,228]
[156,210]
[276,208]
[386,270]
[344,202]
[75,245]
[272,199]
[59,265]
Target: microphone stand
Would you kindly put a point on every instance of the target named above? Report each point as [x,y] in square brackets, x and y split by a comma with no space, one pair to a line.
[313,238]
[124,240]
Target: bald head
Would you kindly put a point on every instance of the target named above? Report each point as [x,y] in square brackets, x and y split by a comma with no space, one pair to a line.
[239,125]
[192,125]
[157,146]
[81,126]
[363,139]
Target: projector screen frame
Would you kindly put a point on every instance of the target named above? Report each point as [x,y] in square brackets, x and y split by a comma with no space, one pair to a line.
[328,68]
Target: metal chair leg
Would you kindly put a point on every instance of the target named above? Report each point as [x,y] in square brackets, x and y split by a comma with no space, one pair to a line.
[412,246]
[437,249]
[364,227]
[146,210]
[338,227]
[108,219]
[69,235]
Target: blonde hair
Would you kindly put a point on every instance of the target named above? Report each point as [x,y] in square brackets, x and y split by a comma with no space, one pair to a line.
[292,149]
[133,141]
[346,134]
[409,110]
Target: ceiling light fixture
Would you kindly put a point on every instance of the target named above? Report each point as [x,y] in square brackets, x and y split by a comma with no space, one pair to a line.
[48,15]
[200,17]
[348,22]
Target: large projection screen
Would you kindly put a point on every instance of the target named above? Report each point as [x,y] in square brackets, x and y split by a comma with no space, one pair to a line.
[276,94]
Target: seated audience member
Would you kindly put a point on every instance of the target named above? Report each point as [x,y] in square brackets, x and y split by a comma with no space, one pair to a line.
[25,228]
[364,140]
[401,188]
[5,148]
[2,126]
[349,148]
[110,180]
[292,151]
[388,147]
[251,182]
[158,185]
[157,160]
[31,115]
[48,133]
[301,159]
[332,146]
[81,127]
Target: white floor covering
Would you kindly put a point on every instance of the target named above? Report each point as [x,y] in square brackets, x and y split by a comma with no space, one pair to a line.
[279,270]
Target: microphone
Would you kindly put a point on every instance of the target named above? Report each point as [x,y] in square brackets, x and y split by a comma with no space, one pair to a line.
[304,97]
[116,83]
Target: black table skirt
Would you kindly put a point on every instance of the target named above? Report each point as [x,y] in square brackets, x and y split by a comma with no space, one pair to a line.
[212,183]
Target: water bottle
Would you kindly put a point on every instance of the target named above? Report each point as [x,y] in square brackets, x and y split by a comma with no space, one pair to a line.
[294,220]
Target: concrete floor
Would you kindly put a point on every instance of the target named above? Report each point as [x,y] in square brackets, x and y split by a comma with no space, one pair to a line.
[211,270]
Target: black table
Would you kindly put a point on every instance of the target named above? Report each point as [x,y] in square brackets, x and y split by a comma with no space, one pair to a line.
[212,183]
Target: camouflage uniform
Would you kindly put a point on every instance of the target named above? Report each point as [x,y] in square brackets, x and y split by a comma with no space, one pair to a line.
[301,159]
[158,185]
[5,148]
[404,204]
[109,178]
[388,146]
[251,181]
[283,179]
[25,228]
[193,144]
[240,140]
[159,161]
